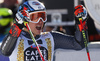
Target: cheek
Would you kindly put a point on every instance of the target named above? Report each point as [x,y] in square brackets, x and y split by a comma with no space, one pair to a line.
[32,26]
[43,24]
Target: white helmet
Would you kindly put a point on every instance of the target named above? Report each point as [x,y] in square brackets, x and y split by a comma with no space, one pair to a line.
[35,9]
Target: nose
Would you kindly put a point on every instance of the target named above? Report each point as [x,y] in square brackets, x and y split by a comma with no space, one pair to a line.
[40,21]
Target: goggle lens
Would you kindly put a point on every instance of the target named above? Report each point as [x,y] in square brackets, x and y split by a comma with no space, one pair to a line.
[35,16]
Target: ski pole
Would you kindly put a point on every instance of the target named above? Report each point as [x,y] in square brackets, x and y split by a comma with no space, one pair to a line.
[36,44]
[85,40]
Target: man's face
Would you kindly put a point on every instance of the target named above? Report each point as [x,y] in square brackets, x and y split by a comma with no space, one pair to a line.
[36,28]
[37,21]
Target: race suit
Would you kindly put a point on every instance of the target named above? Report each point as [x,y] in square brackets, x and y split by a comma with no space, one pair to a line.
[25,49]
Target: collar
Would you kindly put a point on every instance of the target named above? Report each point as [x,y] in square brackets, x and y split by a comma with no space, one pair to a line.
[27,35]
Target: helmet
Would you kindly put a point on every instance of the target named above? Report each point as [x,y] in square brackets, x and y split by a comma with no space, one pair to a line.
[35,9]
[32,6]
[5,16]
[6,19]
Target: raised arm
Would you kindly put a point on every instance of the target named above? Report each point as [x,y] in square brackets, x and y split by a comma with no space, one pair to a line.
[76,41]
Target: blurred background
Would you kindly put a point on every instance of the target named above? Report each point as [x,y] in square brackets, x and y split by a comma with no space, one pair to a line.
[60,17]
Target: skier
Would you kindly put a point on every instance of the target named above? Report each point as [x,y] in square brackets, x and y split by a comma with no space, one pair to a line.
[19,45]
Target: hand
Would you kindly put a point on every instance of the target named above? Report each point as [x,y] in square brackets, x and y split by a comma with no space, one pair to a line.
[21,17]
[80,12]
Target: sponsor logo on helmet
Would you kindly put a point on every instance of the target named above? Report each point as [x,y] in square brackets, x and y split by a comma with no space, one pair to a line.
[35,3]
[39,7]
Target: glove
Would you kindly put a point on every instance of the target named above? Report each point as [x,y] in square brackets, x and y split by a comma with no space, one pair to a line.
[21,18]
[80,12]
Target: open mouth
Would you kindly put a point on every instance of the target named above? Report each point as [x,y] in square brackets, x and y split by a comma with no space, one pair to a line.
[38,27]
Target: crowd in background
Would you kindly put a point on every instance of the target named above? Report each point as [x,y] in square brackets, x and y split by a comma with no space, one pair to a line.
[6,20]
[8,9]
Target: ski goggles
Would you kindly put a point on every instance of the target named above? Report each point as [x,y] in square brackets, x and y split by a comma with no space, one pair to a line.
[35,17]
